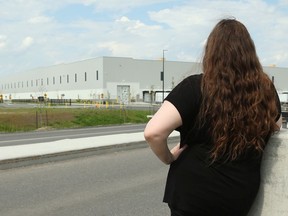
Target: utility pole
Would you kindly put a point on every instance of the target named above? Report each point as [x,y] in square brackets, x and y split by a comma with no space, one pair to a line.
[162,75]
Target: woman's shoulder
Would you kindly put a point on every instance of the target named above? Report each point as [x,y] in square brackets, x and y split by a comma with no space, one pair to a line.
[189,86]
[195,76]
[193,80]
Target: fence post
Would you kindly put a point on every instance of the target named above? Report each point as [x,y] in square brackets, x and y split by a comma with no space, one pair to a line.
[46,119]
[36,119]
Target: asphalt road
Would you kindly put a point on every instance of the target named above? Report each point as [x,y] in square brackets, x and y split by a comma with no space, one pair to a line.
[125,183]
[7,139]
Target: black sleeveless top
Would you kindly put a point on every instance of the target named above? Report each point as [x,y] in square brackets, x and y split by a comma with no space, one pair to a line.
[195,185]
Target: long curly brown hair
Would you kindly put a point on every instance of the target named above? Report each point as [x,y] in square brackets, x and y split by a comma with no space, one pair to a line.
[238,97]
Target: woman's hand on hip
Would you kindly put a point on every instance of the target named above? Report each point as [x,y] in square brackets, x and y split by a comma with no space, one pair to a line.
[176,151]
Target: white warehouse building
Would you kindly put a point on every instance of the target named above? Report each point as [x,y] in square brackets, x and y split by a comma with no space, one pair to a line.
[109,78]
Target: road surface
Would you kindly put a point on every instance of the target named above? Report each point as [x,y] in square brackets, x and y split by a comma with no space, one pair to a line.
[125,183]
[7,139]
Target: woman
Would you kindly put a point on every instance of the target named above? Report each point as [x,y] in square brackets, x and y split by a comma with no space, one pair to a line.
[225,117]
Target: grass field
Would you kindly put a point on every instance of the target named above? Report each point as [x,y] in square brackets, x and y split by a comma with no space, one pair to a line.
[27,119]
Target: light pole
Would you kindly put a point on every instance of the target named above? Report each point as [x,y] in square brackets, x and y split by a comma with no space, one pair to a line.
[162,77]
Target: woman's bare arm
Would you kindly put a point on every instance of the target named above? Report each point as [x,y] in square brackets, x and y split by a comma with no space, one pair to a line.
[165,120]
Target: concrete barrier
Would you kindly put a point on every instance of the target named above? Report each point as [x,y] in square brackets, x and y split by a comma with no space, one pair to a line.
[272,199]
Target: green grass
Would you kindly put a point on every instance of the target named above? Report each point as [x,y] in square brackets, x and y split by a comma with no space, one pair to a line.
[16,120]
[108,117]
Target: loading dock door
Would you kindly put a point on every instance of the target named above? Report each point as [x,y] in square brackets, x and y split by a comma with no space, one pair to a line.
[123,93]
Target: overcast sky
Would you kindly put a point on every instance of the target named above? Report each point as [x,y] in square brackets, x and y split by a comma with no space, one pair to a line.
[39,33]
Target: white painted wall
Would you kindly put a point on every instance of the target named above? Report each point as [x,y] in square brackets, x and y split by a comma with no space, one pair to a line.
[103,74]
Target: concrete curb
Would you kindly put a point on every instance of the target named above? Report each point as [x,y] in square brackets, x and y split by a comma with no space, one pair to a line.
[17,160]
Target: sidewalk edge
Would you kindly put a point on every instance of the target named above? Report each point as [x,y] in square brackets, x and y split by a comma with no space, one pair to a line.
[68,155]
